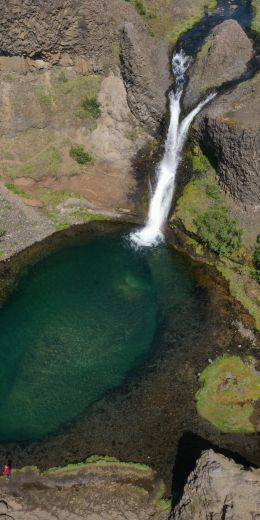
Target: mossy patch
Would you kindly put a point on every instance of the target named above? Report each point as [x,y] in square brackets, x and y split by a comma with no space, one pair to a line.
[256,18]
[163,20]
[200,197]
[229,390]
[200,194]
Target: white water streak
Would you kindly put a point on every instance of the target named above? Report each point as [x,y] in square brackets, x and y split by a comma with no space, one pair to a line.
[161,200]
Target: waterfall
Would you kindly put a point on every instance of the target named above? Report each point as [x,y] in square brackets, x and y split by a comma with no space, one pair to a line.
[160,203]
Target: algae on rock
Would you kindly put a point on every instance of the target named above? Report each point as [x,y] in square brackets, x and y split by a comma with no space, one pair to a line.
[230,388]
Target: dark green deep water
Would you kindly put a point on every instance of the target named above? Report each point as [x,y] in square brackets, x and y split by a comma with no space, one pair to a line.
[79,322]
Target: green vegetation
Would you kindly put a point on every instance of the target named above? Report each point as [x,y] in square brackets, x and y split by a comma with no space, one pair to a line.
[11,187]
[134,134]
[51,198]
[83,214]
[219,232]
[257,253]
[116,52]
[256,19]
[2,233]
[81,155]
[212,191]
[229,390]
[256,261]
[45,96]
[59,224]
[140,7]
[163,19]
[91,107]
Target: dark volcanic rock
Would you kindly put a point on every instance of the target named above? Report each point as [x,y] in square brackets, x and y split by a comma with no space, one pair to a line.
[145,72]
[223,57]
[229,131]
[50,30]
[219,489]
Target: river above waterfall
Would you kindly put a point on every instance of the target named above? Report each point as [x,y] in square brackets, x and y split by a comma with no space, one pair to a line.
[101,347]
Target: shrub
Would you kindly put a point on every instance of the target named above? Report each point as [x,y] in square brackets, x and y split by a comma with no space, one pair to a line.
[256,275]
[218,231]
[91,107]
[140,7]
[2,232]
[257,253]
[80,155]
[212,190]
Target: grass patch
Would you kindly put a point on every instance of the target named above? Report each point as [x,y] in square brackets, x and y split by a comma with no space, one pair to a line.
[256,20]
[164,21]
[229,389]
[91,107]
[11,187]
[83,214]
[257,253]
[53,198]
[59,224]
[134,134]
[80,155]
[45,96]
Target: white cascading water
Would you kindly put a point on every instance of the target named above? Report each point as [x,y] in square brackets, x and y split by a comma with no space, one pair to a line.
[161,200]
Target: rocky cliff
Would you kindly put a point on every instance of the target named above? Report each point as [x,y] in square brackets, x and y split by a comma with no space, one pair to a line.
[219,489]
[229,131]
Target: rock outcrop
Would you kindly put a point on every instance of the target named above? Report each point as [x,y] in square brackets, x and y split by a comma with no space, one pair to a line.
[219,489]
[222,58]
[229,131]
[145,71]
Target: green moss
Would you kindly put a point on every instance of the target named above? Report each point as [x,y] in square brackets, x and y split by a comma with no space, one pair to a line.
[11,187]
[96,461]
[229,389]
[59,224]
[164,505]
[84,215]
[237,287]
[256,19]
[197,194]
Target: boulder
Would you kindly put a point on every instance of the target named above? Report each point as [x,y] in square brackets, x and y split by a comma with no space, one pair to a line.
[229,132]
[145,71]
[222,58]
[220,489]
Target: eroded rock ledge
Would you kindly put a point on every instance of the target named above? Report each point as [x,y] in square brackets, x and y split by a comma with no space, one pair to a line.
[219,489]
[104,488]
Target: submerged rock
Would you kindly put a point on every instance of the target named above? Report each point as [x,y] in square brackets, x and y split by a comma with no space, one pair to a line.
[223,57]
[220,489]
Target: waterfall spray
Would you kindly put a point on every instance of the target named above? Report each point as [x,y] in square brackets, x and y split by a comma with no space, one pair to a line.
[161,199]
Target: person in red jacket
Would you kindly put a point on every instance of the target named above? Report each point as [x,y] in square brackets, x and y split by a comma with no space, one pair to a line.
[7,470]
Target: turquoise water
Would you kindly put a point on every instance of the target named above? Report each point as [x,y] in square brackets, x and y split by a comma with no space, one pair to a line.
[79,322]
